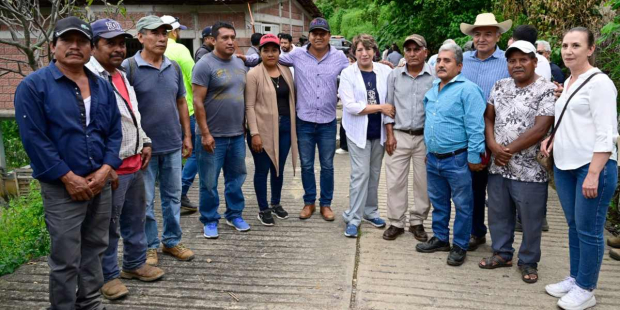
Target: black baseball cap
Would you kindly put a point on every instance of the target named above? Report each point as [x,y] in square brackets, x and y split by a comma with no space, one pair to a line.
[319,23]
[206,32]
[72,23]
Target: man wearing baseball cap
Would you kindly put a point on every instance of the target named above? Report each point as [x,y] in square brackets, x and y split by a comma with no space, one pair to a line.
[208,43]
[519,113]
[179,53]
[71,130]
[484,66]
[407,86]
[158,83]
[128,200]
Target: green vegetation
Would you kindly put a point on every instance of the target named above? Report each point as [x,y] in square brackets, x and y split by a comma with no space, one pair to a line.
[14,150]
[23,235]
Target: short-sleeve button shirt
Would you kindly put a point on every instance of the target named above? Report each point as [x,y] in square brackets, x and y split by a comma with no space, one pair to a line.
[515,112]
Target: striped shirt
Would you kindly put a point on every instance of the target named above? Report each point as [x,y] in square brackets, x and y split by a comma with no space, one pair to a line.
[316,82]
[485,72]
[455,118]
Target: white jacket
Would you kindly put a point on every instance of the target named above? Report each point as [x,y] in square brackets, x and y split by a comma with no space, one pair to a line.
[352,92]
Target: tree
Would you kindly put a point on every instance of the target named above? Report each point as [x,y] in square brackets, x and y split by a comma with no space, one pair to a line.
[30,24]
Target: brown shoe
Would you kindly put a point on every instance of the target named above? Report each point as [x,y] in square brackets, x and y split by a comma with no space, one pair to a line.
[392,232]
[327,214]
[179,252]
[614,253]
[146,273]
[151,257]
[307,211]
[114,289]
[418,232]
[614,242]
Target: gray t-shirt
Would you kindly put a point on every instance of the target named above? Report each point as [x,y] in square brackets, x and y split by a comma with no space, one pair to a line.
[157,91]
[225,101]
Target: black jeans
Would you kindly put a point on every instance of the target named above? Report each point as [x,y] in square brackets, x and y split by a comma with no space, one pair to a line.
[479,185]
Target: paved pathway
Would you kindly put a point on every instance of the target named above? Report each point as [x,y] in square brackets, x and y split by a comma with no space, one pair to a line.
[311,265]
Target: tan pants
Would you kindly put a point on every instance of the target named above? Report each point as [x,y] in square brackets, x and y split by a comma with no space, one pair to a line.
[409,149]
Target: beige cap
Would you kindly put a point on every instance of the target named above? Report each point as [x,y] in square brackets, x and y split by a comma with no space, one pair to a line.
[417,39]
[485,20]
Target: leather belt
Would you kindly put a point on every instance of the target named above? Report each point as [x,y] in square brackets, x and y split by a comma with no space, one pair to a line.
[415,132]
[448,155]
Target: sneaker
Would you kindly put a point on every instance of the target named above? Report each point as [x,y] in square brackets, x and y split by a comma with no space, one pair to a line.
[239,224]
[179,252]
[146,273]
[561,288]
[265,218]
[114,289]
[376,222]
[151,257]
[279,212]
[210,231]
[351,231]
[341,151]
[187,205]
[577,299]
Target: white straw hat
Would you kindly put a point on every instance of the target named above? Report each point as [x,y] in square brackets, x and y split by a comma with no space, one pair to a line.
[485,20]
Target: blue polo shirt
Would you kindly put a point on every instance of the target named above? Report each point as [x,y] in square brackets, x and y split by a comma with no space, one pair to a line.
[50,113]
[157,91]
[455,118]
[485,72]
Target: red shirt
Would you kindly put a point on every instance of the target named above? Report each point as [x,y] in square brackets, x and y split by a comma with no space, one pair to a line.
[133,163]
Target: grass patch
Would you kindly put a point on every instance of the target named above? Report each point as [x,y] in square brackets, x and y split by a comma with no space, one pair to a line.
[23,235]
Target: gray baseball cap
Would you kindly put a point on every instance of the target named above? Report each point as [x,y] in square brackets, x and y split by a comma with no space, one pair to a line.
[151,22]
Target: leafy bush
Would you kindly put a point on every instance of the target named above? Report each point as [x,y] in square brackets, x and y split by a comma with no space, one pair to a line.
[23,235]
[15,154]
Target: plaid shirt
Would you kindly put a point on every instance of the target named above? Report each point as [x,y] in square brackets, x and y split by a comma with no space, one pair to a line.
[134,138]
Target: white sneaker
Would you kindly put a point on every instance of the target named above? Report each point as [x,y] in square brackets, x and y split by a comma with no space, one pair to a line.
[561,288]
[577,299]
[341,151]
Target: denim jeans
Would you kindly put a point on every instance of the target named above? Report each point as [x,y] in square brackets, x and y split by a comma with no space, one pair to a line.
[128,214]
[263,166]
[191,167]
[479,184]
[309,136]
[166,169]
[450,178]
[586,220]
[229,155]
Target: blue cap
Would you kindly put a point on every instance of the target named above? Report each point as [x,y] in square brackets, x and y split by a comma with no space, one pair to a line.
[319,23]
[206,32]
[108,28]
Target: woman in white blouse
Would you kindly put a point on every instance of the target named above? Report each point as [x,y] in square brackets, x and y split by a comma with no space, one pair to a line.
[585,154]
[363,90]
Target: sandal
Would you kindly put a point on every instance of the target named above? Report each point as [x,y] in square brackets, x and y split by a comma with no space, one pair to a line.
[529,270]
[495,261]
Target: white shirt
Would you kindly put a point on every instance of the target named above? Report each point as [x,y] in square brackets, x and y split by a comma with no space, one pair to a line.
[589,124]
[352,92]
[543,68]
[87,108]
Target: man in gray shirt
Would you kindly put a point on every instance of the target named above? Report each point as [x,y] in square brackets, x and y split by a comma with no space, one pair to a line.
[218,82]
[405,141]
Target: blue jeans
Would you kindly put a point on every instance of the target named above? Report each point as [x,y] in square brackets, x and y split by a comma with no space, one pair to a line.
[128,214]
[450,178]
[191,167]
[263,165]
[586,220]
[309,136]
[229,155]
[166,169]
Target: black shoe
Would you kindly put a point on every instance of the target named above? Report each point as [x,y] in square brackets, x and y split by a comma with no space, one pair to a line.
[456,256]
[265,217]
[279,212]
[545,225]
[187,205]
[392,232]
[474,242]
[518,226]
[432,246]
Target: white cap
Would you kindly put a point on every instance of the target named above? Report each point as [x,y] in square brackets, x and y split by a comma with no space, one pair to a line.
[524,46]
[172,21]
